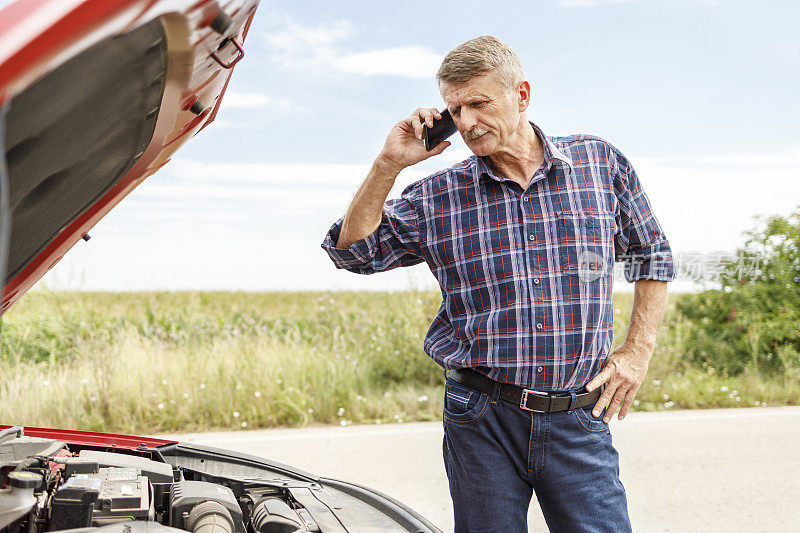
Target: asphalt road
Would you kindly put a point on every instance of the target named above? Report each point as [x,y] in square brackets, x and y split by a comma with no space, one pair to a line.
[711,470]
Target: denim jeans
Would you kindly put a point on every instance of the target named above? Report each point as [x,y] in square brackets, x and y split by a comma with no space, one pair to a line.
[496,455]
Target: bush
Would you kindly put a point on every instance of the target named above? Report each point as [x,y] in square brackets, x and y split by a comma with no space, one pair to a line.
[752,322]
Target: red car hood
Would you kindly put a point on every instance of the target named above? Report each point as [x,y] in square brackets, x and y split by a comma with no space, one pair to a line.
[91,438]
[96,96]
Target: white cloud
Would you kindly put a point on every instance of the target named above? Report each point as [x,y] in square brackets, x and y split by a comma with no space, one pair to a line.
[778,159]
[233,99]
[297,46]
[269,174]
[214,264]
[274,176]
[227,191]
[577,4]
[588,3]
[705,203]
[292,35]
[408,61]
[191,186]
[195,223]
[325,46]
[453,154]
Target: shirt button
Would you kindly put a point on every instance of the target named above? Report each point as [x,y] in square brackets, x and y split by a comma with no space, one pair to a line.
[531,237]
[539,369]
[536,281]
[524,198]
[539,325]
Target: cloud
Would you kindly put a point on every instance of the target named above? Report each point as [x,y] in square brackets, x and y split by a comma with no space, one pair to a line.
[291,35]
[192,186]
[408,61]
[233,99]
[577,4]
[778,159]
[269,174]
[297,46]
[193,224]
[291,176]
[706,202]
[569,4]
[453,154]
[326,46]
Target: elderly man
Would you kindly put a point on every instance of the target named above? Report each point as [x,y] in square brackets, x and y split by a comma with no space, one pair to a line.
[522,238]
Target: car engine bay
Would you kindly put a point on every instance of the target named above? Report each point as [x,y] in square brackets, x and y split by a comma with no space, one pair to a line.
[49,485]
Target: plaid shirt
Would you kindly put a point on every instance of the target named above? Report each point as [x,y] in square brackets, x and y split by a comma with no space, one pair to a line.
[526,275]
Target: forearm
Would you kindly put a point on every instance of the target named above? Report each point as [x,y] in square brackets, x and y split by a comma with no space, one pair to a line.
[403,148]
[649,300]
[366,210]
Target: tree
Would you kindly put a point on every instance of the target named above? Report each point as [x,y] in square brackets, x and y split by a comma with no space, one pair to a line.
[753,320]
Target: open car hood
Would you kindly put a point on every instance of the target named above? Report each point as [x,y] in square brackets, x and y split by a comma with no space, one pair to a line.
[95,96]
[174,480]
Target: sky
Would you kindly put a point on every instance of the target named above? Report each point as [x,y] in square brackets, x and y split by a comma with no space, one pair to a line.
[699,95]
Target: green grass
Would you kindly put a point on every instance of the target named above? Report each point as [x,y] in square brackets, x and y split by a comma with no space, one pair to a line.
[190,361]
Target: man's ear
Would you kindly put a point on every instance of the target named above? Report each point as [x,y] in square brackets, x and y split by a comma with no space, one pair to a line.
[524,95]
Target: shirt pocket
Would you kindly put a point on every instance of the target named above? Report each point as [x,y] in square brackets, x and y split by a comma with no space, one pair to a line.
[585,242]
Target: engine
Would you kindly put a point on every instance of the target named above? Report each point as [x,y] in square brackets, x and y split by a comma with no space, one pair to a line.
[48,486]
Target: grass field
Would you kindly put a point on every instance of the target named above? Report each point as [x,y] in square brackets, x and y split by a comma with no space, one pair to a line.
[189,361]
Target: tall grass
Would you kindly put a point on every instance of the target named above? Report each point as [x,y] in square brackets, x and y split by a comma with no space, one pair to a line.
[187,361]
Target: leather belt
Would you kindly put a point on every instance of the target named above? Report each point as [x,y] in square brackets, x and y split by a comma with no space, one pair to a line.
[530,400]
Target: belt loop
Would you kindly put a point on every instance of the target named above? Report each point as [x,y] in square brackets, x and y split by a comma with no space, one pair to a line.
[572,400]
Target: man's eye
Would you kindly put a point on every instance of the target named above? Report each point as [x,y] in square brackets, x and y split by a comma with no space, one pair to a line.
[480,104]
[455,112]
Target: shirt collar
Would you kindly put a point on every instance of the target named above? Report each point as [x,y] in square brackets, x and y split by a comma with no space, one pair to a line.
[551,152]
[550,149]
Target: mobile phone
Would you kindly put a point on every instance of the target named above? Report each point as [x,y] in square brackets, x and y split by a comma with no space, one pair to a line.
[441,130]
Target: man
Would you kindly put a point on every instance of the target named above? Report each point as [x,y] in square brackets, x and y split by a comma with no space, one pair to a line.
[522,238]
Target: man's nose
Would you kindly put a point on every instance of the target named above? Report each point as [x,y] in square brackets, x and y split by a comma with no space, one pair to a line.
[468,120]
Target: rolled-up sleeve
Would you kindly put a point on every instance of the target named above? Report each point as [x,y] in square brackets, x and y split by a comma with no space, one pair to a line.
[640,242]
[395,243]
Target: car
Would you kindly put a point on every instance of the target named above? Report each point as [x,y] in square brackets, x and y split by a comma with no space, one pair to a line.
[96,96]
[81,481]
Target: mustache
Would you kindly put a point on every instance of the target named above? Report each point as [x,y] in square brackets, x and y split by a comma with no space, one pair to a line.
[474,133]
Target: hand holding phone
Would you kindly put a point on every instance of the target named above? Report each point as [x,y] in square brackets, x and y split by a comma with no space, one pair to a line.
[441,130]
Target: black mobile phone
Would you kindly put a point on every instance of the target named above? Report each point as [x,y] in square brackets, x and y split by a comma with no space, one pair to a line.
[441,130]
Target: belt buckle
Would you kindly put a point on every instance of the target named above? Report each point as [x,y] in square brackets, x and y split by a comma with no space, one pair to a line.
[524,401]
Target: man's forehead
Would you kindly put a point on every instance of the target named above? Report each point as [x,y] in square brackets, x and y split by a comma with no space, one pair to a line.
[478,88]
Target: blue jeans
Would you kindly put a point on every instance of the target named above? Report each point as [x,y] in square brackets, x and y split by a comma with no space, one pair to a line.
[496,455]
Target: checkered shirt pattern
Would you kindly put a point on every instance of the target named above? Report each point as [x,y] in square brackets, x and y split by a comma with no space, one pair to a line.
[526,275]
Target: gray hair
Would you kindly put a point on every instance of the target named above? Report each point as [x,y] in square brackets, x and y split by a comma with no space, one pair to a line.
[482,55]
